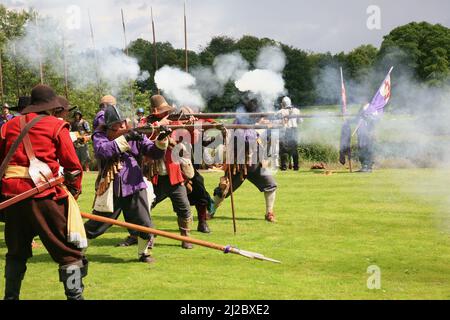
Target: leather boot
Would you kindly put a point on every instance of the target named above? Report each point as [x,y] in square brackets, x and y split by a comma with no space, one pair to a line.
[184,225]
[202,216]
[14,274]
[72,278]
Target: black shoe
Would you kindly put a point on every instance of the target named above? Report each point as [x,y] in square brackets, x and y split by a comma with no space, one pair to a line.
[203,227]
[129,241]
[146,259]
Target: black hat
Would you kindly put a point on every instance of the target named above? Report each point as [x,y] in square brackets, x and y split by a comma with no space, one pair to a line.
[43,98]
[112,116]
[78,111]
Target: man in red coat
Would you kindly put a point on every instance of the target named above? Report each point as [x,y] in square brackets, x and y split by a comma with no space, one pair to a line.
[166,175]
[46,214]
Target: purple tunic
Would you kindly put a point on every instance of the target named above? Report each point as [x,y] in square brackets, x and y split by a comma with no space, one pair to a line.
[130,179]
[3,121]
[99,119]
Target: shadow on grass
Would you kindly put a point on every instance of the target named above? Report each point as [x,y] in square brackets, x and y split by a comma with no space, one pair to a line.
[97,258]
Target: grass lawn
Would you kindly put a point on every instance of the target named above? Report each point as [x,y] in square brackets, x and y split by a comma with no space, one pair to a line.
[330,230]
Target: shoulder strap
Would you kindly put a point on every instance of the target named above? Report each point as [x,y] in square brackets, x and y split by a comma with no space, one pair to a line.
[16,143]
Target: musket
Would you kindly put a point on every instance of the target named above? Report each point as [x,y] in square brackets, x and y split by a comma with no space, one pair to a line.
[173,236]
[149,129]
[232,115]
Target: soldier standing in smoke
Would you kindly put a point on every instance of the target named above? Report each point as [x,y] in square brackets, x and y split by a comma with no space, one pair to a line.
[289,141]
[366,138]
[82,129]
[118,151]
[255,173]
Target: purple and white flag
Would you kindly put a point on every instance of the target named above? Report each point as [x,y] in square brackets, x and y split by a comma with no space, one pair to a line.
[382,97]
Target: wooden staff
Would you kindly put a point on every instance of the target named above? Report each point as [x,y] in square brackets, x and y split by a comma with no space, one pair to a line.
[16,70]
[185,40]
[344,112]
[97,77]
[211,245]
[155,50]
[127,53]
[233,212]
[1,77]
[41,65]
[66,82]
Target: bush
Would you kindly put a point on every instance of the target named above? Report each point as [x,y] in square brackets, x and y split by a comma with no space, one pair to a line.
[313,152]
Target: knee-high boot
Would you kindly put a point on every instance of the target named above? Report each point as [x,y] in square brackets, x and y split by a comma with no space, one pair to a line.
[202,213]
[14,273]
[184,225]
[72,278]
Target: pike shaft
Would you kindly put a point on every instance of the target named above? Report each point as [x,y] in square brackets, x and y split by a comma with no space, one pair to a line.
[185,40]
[16,70]
[127,53]
[173,236]
[66,83]
[1,77]
[41,66]
[97,78]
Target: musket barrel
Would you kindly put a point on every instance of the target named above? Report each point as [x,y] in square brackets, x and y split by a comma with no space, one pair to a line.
[232,115]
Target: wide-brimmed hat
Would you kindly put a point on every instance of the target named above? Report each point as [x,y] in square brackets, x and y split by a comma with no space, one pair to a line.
[108,99]
[64,103]
[43,98]
[159,105]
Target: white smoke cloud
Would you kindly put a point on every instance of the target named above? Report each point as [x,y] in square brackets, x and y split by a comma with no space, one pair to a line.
[179,86]
[109,66]
[229,67]
[266,84]
[271,58]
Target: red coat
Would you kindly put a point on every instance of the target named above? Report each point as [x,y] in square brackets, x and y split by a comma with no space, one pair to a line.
[51,144]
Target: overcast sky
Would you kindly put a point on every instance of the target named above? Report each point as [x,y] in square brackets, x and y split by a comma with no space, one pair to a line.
[320,25]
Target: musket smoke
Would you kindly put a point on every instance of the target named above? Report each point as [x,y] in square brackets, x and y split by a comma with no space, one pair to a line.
[265,83]
[115,69]
[179,86]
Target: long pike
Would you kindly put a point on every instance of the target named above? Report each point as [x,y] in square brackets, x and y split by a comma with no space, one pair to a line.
[211,245]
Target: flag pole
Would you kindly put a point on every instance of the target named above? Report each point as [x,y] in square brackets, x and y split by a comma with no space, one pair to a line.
[344,112]
[185,40]
[155,51]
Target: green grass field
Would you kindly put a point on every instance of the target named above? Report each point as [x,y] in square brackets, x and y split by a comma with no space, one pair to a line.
[330,230]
